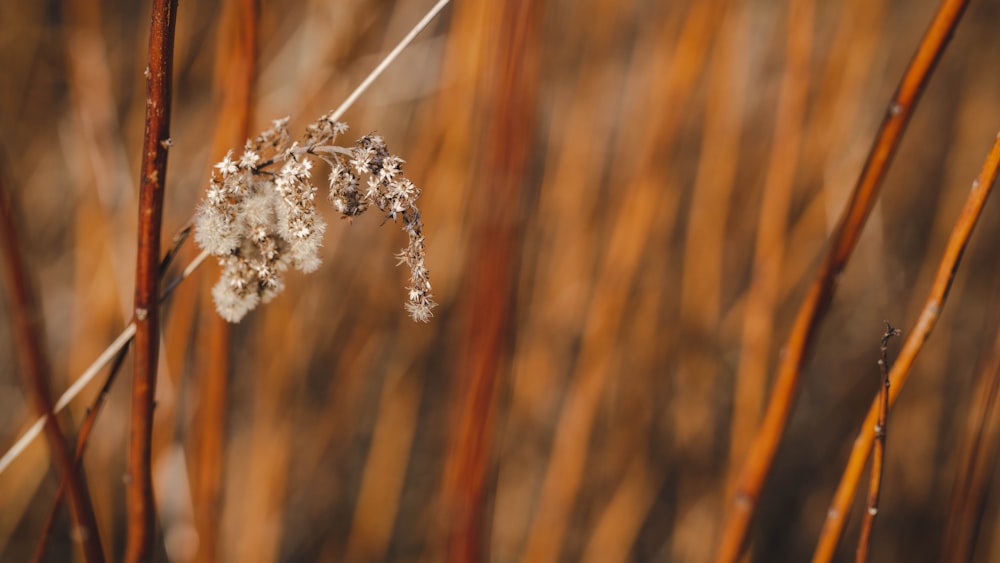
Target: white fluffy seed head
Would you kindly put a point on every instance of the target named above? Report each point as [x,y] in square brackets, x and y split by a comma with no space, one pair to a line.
[260,216]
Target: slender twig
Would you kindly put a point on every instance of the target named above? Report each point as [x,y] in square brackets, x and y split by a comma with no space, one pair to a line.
[129,331]
[814,306]
[171,253]
[139,489]
[92,412]
[81,442]
[106,356]
[957,241]
[878,455]
[353,97]
[113,349]
[26,315]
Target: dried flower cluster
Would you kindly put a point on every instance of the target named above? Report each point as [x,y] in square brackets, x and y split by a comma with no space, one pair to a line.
[259,216]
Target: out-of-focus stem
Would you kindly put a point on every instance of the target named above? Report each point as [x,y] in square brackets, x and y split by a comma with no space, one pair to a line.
[27,319]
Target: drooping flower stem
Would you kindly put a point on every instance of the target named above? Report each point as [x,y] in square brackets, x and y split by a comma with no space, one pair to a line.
[259,216]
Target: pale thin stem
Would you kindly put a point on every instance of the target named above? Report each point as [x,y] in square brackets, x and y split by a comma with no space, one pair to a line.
[126,335]
[340,111]
[106,356]
[91,372]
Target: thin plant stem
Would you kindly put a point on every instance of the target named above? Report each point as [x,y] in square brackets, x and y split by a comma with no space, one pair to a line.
[236,65]
[878,455]
[947,267]
[129,331]
[139,484]
[28,332]
[81,442]
[815,304]
[769,253]
[92,412]
[977,462]
[91,372]
[403,44]
[512,52]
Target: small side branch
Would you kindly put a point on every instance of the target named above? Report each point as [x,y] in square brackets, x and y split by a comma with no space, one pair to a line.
[878,452]
[982,186]
[81,443]
[814,306]
[27,319]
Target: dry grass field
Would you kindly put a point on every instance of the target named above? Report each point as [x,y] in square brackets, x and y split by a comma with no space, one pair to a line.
[625,204]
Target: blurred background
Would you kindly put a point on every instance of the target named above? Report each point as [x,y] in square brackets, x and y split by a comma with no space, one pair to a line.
[622,210]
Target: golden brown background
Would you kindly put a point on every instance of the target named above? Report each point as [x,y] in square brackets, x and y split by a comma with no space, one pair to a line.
[618,281]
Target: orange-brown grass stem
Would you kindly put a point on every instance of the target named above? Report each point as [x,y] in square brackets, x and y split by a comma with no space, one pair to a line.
[156,140]
[878,454]
[512,51]
[236,63]
[981,188]
[842,242]
[81,442]
[769,250]
[95,408]
[28,333]
[977,462]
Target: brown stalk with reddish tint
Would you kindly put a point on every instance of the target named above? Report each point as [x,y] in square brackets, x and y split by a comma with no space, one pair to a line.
[512,53]
[816,302]
[81,443]
[36,373]
[156,140]
[948,266]
[236,65]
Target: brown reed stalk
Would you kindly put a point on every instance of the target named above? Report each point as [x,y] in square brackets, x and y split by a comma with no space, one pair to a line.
[95,409]
[81,443]
[512,54]
[28,332]
[878,454]
[379,494]
[842,242]
[976,463]
[947,267]
[156,140]
[271,434]
[236,64]
[769,251]
[699,374]
[645,206]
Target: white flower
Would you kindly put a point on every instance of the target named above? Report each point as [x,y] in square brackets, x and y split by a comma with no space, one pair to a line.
[419,312]
[227,166]
[250,158]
